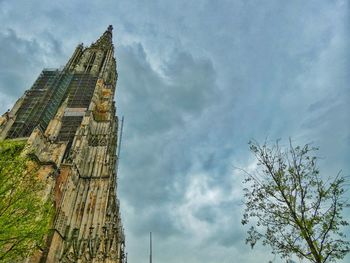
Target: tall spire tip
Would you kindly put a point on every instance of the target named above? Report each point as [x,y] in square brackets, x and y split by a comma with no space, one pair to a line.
[110,28]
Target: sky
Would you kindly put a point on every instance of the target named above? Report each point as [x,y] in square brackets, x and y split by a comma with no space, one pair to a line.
[197,81]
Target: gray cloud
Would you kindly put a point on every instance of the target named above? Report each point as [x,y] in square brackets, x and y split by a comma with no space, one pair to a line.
[158,106]
[18,68]
[24,59]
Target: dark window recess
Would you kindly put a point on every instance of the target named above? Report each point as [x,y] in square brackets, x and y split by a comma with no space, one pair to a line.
[69,126]
[103,61]
[81,89]
[90,63]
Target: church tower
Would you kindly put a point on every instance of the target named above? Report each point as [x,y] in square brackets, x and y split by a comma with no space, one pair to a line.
[68,118]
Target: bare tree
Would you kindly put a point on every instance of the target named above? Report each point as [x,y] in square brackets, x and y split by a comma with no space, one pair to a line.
[292,208]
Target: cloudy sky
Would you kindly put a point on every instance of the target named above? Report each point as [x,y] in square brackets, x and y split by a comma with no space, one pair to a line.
[197,81]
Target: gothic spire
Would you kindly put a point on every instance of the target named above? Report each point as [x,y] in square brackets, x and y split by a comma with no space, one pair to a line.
[105,41]
[110,28]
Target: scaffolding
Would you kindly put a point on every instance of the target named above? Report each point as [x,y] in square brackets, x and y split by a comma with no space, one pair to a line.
[81,90]
[42,101]
[35,101]
[55,98]
[70,125]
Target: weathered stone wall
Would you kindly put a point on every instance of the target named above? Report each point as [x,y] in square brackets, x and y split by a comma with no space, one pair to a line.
[81,173]
[88,226]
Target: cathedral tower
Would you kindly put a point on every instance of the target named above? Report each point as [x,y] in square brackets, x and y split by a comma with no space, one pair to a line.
[68,118]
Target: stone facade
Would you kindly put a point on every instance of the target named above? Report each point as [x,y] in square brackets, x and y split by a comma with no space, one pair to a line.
[69,118]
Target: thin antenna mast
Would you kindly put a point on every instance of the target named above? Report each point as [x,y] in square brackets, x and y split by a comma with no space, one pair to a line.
[150,247]
[121,136]
[120,143]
